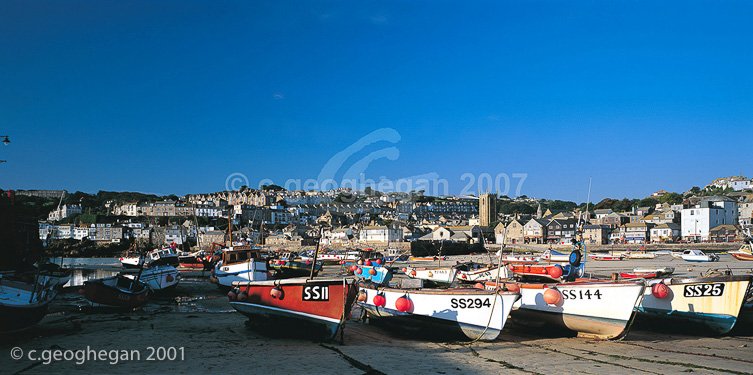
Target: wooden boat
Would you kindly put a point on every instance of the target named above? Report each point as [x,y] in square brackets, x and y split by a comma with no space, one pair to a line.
[316,306]
[647,273]
[713,302]
[22,304]
[158,277]
[198,259]
[475,313]
[156,257]
[596,309]
[117,291]
[426,259]
[470,272]
[698,256]
[744,252]
[239,263]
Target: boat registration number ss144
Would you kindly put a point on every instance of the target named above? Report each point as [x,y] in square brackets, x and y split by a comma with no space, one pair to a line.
[470,303]
[704,290]
[580,294]
[316,293]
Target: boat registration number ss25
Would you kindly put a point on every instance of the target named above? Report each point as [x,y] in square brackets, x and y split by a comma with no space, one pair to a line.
[704,290]
[316,293]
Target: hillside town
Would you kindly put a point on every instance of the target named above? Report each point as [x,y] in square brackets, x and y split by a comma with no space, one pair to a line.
[720,212]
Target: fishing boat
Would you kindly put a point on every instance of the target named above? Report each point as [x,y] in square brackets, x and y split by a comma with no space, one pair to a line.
[55,274]
[196,259]
[317,307]
[463,272]
[116,291]
[158,277]
[647,273]
[698,256]
[374,273]
[22,304]
[744,252]
[712,301]
[477,314]
[426,259]
[239,263]
[163,256]
[595,309]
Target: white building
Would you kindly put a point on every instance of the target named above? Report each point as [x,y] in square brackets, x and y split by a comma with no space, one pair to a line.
[737,183]
[746,211]
[708,213]
[64,211]
[381,233]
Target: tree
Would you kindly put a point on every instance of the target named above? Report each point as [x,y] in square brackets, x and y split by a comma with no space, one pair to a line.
[368,190]
[671,198]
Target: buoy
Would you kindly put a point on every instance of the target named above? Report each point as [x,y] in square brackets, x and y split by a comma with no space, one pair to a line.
[242,296]
[379,300]
[232,295]
[690,269]
[372,272]
[170,278]
[367,263]
[378,261]
[359,271]
[463,276]
[413,273]
[276,293]
[430,274]
[81,291]
[555,272]
[353,268]
[360,262]
[405,269]
[308,262]
[342,262]
[362,296]
[479,286]
[513,288]
[660,290]
[552,296]
[403,304]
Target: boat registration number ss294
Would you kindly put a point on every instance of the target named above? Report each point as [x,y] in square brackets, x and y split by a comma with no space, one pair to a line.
[704,290]
[316,293]
[470,303]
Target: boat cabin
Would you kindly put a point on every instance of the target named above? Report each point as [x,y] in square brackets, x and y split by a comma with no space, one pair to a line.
[240,254]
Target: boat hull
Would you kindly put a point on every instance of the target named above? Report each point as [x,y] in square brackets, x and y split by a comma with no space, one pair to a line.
[117,291]
[739,255]
[602,310]
[712,302]
[226,275]
[321,305]
[16,312]
[160,277]
[474,313]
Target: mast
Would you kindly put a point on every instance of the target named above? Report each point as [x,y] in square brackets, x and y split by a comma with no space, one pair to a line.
[316,252]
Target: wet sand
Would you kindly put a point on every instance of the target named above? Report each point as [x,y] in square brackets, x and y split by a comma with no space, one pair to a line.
[217,339]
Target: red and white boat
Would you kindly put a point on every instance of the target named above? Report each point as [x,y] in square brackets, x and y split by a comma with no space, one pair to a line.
[311,306]
[116,291]
[744,252]
[606,256]
[156,257]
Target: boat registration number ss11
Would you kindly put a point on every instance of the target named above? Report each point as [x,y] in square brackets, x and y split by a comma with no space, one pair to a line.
[316,293]
[704,290]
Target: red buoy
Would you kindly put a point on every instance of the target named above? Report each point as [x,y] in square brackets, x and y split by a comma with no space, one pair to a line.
[555,272]
[359,271]
[479,286]
[342,262]
[403,304]
[81,291]
[552,296]
[367,263]
[405,269]
[413,273]
[372,272]
[513,287]
[242,296]
[660,290]
[232,295]
[308,262]
[169,278]
[378,261]
[353,268]
[379,300]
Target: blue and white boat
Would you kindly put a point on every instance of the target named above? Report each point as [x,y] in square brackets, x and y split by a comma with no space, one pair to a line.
[239,263]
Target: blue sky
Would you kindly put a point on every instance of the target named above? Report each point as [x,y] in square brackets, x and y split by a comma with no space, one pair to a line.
[177,96]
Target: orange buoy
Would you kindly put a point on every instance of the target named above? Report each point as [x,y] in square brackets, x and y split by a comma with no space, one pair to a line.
[479,286]
[555,272]
[379,300]
[242,296]
[660,290]
[362,296]
[378,261]
[367,263]
[430,274]
[359,271]
[403,304]
[405,269]
[232,295]
[170,278]
[372,272]
[513,287]
[413,273]
[552,296]
[276,293]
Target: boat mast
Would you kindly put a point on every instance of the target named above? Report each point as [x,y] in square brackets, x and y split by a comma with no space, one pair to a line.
[316,252]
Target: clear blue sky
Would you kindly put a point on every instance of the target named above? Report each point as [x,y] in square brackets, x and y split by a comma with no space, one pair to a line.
[175,96]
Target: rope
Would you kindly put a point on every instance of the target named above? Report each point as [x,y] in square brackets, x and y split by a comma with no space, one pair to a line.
[496,293]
